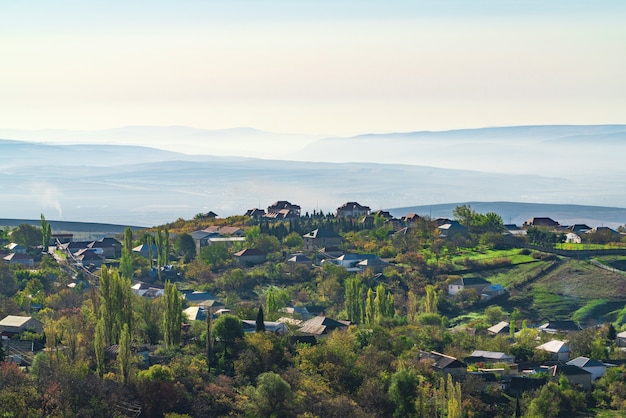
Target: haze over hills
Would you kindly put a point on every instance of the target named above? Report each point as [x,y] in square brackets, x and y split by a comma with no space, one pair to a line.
[143,185]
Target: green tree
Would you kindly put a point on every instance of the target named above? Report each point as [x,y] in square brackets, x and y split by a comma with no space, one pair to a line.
[124,355]
[431,300]
[126,262]
[46,233]
[354,299]
[403,392]
[186,247]
[172,315]
[116,304]
[272,395]
[370,307]
[27,235]
[214,255]
[99,345]
[260,320]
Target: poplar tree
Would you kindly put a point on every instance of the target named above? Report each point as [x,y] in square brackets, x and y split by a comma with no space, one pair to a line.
[370,307]
[126,262]
[46,233]
[354,301]
[172,316]
[260,320]
[431,300]
[124,355]
[98,345]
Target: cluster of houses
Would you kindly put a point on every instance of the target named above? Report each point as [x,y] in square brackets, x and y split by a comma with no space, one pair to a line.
[573,233]
[501,369]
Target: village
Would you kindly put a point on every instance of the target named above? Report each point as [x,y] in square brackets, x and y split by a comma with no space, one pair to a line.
[441,298]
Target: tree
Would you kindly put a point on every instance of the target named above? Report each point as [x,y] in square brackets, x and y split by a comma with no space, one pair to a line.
[354,299]
[27,235]
[124,354]
[116,304]
[214,255]
[260,321]
[370,307]
[99,345]
[172,315]
[272,395]
[126,262]
[186,247]
[431,300]
[403,392]
[46,233]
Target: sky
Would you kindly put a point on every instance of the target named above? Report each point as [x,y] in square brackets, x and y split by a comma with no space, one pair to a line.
[311,67]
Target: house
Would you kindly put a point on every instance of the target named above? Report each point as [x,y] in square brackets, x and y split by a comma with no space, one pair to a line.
[73,246]
[451,229]
[195,313]
[283,209]
[491,291]
[520,384]
[19,258]
[15,248]
[559,350]
[321,325]
[201,239]
[574,374]
[410,218]
[553,327]
[383,214]
[225,231]
[443,363]
[604,231]
[578,228]
[255,213]
[620,339]
[331,251]
[279,328]
[144,250]
[468,283]
[198,298]
[352,210]
[111,248]
[300,311]
[89,258]
[480,356]
[375,264]
[300,259]
[147,290]
[251,257]
[319,238]
[62,238]
[14,325]
[501,327]
[572,238]
[541,222]
[595,367]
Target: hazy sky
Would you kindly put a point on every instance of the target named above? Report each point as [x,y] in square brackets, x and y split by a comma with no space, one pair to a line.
[323,67]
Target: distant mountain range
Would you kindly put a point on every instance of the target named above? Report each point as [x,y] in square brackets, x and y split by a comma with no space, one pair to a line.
[142,185]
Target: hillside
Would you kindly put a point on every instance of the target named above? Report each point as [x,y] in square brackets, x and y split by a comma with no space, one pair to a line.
[557,290]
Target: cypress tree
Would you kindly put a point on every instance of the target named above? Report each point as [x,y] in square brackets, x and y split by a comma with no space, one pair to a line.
[260,320]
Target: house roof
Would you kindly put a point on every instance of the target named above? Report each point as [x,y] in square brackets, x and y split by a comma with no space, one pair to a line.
[585,362]
[105,243]
[352,206]
[17,256]
[442,361]
[299,258]
[322,233]
[496,355]
[554,346]
[470,281]
[541,221]
[567,370]
[320,325]
[277,327]
[557,326]
[15,321]
[501,326]
[250,252]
